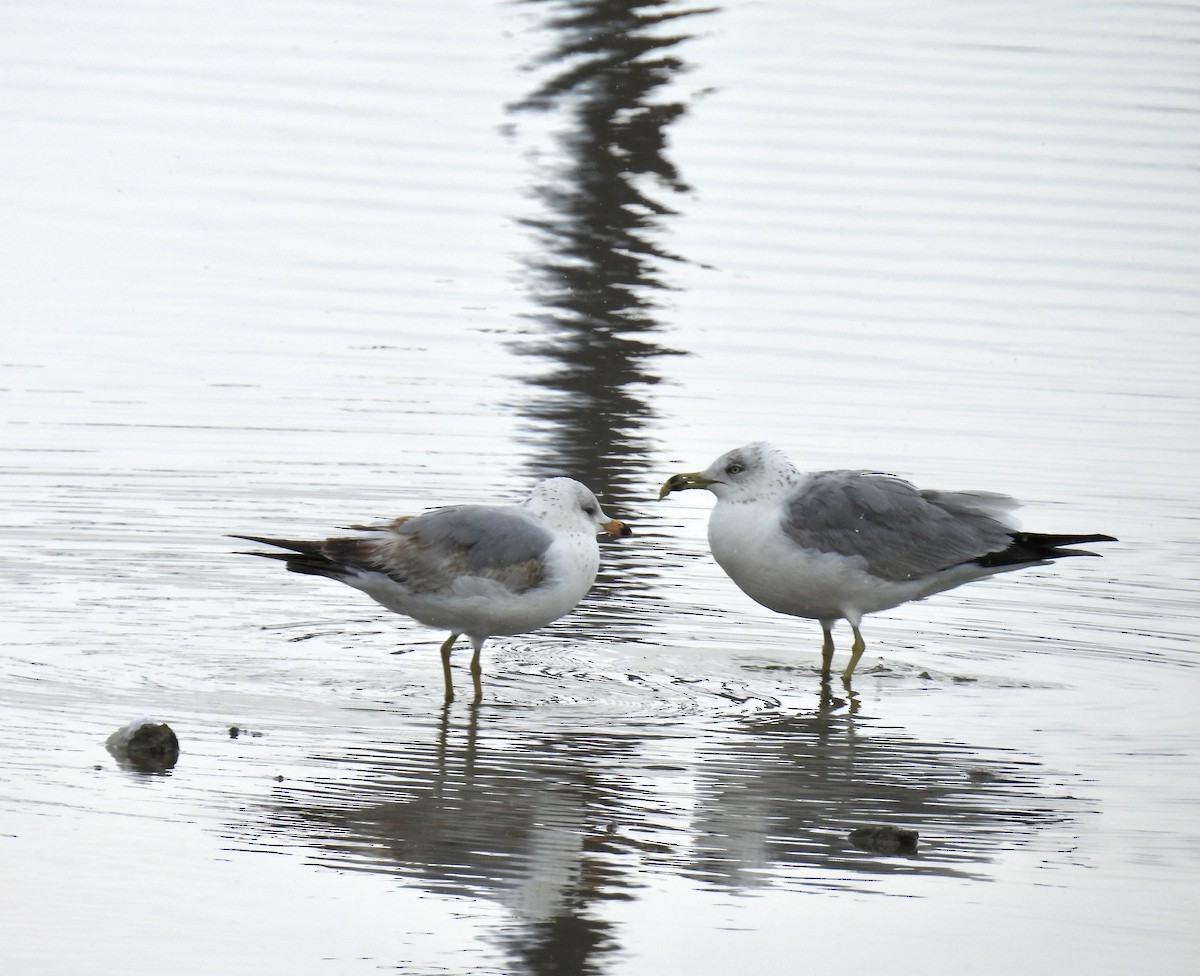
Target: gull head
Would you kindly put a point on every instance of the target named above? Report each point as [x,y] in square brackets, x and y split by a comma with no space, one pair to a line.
[567,505]
[744,474]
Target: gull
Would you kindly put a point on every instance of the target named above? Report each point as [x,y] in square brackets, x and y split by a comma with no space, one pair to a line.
[480,570]
[834,545]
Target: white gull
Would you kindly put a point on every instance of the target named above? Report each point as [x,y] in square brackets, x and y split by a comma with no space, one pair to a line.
[480,570]
[835,545]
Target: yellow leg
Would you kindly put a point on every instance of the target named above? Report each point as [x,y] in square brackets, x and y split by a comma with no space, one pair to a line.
[477,672]
[827,650]
[449,643]
[856,651]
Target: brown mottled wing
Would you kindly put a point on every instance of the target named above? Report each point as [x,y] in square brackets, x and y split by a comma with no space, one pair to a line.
[432,551]
[900,531]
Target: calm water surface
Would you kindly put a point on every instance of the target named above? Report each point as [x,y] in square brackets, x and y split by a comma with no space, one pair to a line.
[279,268]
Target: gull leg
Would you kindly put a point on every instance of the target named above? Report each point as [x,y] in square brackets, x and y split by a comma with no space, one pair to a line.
[827,649]
[477,668]
[449,643]
[856,651]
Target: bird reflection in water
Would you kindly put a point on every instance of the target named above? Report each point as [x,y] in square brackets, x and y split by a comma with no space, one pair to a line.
[551,821]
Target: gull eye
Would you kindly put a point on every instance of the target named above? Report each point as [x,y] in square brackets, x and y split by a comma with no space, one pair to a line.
[734,468]
[590,510]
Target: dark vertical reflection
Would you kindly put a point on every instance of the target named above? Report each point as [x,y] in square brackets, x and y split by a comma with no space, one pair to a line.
[597,276]
[599,263]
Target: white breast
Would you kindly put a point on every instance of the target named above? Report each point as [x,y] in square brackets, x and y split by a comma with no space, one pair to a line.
[748,542]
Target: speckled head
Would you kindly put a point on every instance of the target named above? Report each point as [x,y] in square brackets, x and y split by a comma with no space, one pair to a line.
[567,504]
[743,474]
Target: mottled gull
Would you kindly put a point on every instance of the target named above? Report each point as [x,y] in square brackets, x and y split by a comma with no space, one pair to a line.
[835,545]
[480,570]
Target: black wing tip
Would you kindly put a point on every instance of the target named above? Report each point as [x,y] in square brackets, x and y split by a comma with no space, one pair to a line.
[1064,540]
[261,540]
[302,557]
[293,545]
[1041,547]
[1057,545]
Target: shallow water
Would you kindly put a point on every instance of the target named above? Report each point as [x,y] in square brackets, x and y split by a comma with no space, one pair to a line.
[294,267]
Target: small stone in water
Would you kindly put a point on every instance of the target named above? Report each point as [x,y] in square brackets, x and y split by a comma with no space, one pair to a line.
[885,840]
[145,745]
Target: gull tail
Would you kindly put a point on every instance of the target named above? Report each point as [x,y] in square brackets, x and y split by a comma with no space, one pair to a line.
[304,557]
[1038,547]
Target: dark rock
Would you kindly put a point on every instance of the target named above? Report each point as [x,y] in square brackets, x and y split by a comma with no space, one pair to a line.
[146,746]
[885,840]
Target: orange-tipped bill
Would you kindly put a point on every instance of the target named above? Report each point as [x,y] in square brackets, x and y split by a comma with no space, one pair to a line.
[615,529]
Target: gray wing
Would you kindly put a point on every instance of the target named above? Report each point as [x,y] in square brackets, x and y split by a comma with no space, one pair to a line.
[900,531]
[430,552]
